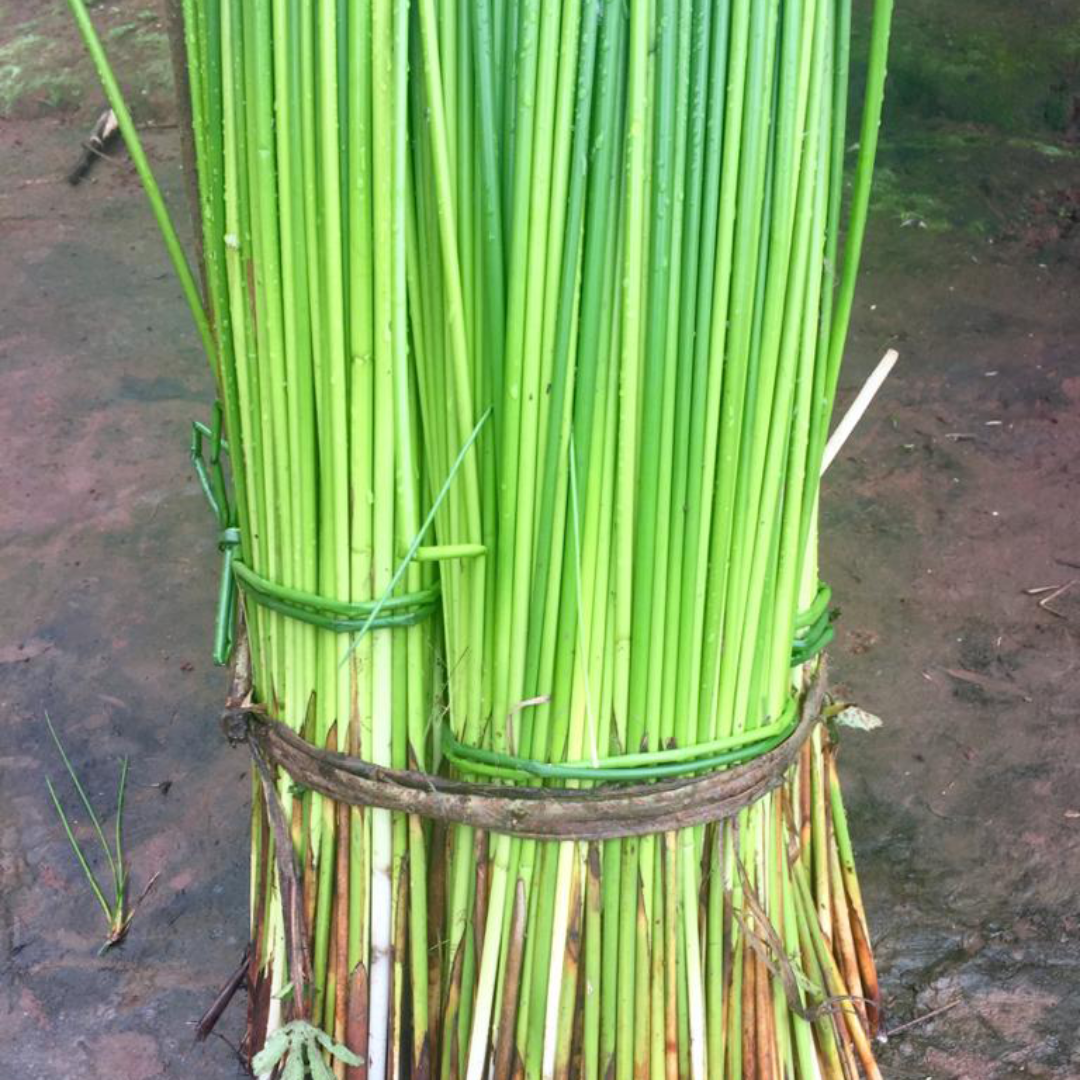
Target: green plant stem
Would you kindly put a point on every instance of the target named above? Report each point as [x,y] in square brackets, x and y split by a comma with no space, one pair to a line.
[146,177]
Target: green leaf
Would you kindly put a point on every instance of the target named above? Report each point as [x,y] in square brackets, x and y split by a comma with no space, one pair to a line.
[271,1053]
[79,852]
[83,797]
[319,1069]
[294,1066]
[343,1053]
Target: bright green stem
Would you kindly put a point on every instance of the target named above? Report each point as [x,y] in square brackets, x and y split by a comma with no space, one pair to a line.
[142,165]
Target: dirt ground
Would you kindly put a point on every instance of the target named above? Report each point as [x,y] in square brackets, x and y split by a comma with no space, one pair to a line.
[959,492]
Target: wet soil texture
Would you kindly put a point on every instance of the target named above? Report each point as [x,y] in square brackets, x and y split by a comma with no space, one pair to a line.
[957,497]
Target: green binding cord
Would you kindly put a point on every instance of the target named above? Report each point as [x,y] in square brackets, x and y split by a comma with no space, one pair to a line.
[819,606]
[338,616]
[211,475]
[814,631]
[677,761]
[813,628]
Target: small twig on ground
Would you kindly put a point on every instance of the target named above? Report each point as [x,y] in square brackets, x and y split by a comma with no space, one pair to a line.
[998,686]
[1052,592]
[885,1036]
[242,1066]
[99,153]
[143,895]
[221,1002]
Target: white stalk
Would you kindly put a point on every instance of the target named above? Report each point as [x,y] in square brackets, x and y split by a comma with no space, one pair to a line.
[694,983]
[858,407]
[489,960]
[381,929]
[558,952]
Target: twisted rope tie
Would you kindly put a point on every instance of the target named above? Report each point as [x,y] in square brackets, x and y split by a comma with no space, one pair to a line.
[605,812]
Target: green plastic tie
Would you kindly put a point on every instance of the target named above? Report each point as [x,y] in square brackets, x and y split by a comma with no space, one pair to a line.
[655,765]
[337,616]
[813,631]
[813,628]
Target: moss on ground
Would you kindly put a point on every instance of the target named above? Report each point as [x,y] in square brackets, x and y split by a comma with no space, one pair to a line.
[1008,63]
[44,69]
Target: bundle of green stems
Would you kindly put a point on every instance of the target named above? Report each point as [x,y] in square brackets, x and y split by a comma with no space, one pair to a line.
[573,278]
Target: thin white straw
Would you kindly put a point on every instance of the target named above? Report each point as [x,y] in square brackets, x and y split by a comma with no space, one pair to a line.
[858,407]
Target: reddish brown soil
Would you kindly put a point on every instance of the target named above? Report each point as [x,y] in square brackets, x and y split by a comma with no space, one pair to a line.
[960,491]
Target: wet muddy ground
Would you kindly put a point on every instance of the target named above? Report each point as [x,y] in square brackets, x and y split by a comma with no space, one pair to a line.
[960,491]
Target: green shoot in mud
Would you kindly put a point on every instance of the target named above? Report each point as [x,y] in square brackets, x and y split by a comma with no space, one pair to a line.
[115,910]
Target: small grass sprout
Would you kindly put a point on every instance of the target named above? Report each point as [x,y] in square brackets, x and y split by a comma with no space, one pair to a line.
[115,910]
